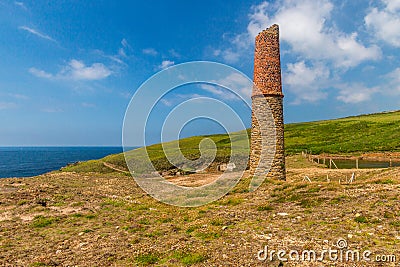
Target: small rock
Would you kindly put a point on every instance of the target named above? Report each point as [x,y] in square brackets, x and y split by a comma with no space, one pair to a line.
[262,236]
[81,233]
[116,227]
[358,215]
[224,256]
[350,236]
[58,251]
[282,214]
[224,227]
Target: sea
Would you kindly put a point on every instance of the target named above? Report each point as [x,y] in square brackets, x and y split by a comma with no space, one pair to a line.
[32,161]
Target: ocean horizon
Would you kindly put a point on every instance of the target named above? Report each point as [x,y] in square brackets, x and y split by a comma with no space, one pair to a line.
[27,161]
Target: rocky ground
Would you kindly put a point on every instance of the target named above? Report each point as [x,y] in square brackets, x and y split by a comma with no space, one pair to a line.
[70,219]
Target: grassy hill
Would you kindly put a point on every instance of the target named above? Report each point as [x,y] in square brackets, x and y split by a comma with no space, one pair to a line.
[106,219]
[365,133]
[352,135]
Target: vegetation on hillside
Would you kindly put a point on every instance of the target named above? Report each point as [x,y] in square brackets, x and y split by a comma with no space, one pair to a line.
[365,133]
[70,219]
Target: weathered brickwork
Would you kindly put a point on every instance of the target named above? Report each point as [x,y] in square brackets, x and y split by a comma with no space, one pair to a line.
[266,100]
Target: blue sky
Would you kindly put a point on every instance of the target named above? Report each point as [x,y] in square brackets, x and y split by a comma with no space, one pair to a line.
[69,68]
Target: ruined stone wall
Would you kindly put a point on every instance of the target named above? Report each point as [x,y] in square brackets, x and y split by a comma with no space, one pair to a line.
[267,105]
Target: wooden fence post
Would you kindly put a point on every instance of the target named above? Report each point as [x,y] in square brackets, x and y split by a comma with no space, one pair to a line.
[334,164]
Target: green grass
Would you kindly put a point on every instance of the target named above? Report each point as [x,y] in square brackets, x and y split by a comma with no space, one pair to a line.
[36,264]
[208,236]
[361,219]
[265,208]
[146,259]
[112,202]
[352,135]
[375,132]
[41,221]
[395,223]
[387,181]
[189,258]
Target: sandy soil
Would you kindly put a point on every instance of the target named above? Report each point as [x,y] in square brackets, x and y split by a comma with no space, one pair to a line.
[70,219]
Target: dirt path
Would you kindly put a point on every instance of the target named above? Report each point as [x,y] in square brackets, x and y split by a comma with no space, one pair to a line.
[89,219]
[113,167]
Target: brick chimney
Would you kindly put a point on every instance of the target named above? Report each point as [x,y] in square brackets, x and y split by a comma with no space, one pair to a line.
[267,91]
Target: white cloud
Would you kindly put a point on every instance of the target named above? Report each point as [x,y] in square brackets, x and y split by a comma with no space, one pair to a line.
[166,102]
[259,19]
[123,52]
[392,5]
[306,82]
[355,93]
[309,31]
[318,51]
[165,64]
[126,95]
[76,70]
[88,105]
[238,83]
[230,56]
[20,4]
[40,73]
[393,83]
[51,110]
[18,96]
[239,46]
[173,53]
[385,22]
[125,43]
[150,51]
[178,98]
[229,85]
[303,25]
[188,96]
[7,105]
[216,90]
[37,33]
[118,58]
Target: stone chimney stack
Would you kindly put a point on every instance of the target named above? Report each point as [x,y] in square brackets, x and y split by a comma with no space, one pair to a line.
[267,91]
